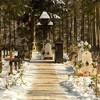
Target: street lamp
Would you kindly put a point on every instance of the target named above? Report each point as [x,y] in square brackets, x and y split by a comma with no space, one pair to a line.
[45,22]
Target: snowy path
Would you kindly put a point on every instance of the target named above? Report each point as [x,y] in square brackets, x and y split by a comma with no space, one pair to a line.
[45,79]
[40,81]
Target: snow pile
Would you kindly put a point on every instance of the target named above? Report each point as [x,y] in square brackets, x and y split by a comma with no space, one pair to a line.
[78,88]
[14,87]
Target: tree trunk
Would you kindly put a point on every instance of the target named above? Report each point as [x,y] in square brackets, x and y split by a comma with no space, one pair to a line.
[75,23]
[71,27]
[88,31]
[94,31]
[0,48]
[62,26]
[67,32]
[98,24]
[14,31]
[4,36]
[32,29]
[10,37]
[82,27]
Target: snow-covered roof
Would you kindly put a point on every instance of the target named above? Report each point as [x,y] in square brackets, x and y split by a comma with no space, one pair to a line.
[44,15]
[38,23]
[50,23]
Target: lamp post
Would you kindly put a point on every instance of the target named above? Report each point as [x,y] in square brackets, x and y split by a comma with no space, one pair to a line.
[44,18]
[45,22]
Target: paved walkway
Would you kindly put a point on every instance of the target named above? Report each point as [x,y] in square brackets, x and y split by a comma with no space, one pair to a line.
[46,81]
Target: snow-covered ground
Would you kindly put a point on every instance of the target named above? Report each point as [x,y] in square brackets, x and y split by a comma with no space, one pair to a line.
[78,88]
[15,87]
